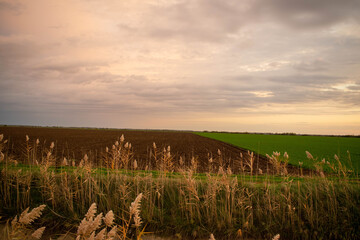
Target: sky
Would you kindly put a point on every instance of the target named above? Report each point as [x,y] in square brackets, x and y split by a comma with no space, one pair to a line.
[217,65]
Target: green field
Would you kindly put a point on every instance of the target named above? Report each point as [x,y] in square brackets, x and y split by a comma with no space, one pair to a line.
[319,146]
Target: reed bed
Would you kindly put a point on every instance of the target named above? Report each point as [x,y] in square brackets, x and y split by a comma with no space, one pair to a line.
[175,199]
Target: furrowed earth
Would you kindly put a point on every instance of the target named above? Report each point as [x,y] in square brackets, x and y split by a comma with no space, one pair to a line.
[74,143]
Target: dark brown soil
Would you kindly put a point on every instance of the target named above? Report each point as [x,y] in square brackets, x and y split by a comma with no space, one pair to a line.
[73,143]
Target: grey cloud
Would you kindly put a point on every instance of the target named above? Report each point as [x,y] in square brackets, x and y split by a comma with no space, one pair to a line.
[13,6]
[308,13]
[355,88]
[214,21]
[311,66]
[16,51]
[307,80]
[138,94]
[204,20]
[70,67]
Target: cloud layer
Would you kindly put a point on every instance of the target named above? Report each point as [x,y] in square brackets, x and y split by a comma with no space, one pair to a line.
[217,65]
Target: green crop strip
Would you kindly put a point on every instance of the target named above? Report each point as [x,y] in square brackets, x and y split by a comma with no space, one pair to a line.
[319,146]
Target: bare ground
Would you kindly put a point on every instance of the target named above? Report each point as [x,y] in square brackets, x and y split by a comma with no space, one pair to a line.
[73,143]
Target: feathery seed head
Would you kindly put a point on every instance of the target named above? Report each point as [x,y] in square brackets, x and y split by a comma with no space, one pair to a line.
[276,154]
[137,219]
[135,205]
[1,137]
[212,237]
[101,235]
[135,210]
[28,217]
[109,218]
[126,145]
[96,223]
[309,156]
[14,221]
[38,233]
[37,141]
[112,233]
[135,164]
[107,149]
[336,157]
[286,155]
[219,152]
[154,145]
[91,212]
[168,148]
[52,145]
[276,237]
[181,161]
[193,161]
[117,143]
[122,138]
[83,226]
[92,236]
[27,138]
[65,163]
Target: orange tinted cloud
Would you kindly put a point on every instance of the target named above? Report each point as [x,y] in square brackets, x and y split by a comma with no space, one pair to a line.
[237,66]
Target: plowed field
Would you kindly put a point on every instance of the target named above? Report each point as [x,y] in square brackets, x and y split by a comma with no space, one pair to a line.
[73,143]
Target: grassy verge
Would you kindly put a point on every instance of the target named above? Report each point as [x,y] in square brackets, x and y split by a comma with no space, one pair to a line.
[188,205]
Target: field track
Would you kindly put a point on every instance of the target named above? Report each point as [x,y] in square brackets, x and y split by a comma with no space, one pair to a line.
[73,143]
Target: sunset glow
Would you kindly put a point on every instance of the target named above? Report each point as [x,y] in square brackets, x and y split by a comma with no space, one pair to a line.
[255,66]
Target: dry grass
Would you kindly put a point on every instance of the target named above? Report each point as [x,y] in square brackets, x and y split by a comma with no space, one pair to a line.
[186,205]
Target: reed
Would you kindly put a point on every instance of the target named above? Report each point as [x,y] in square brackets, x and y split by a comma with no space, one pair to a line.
[182,203]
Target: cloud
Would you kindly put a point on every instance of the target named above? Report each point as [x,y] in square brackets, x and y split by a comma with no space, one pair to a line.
[12,6]
[308,14]
[16,47]
[311,66]
[203,20]
[306,80]
[183,58]
[214,22]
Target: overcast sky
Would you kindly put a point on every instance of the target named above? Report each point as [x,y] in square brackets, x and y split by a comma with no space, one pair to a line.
[257,66]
